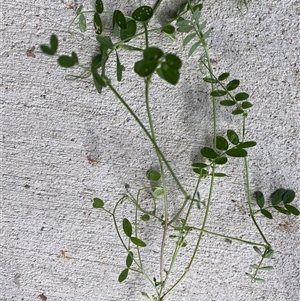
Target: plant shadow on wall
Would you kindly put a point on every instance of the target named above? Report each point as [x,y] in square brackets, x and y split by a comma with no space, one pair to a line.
[190,29]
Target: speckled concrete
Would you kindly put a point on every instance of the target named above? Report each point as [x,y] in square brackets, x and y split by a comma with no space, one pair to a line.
[63,144]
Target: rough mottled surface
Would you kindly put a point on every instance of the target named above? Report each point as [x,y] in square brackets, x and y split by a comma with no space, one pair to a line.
[63,144]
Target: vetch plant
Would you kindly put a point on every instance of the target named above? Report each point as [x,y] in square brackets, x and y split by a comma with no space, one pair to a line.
[189,26]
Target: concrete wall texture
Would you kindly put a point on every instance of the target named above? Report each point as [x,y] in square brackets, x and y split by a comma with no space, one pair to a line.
[63,144]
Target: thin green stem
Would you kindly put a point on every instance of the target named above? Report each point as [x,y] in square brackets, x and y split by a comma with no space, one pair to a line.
[163,178]
[150,138]
[156,6]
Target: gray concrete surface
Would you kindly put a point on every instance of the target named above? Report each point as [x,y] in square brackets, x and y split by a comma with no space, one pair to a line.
[63,144]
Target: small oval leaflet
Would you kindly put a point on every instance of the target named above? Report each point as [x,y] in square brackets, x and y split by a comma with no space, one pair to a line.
[138,242]
[173,61]
[266,213]
[232,84]
[152,54]
[237,152]
[142,14]
[98,203]
[153,175]
[221,160]
[169,29]
[260,199]
[246,144]
[221,143]
[97,24]
[99,6]
[208,152]
[241,96]
[218,93]
[120,19]
[68,61]
[123,275]
[233,137]
[129,259]
[223,76]
[53,46]
[127,227]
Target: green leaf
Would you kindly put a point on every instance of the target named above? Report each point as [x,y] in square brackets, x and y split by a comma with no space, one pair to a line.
[269,253]
[173,61]
[119,18]
[145,217]
[169,74]
[210,80]
[138,242]
[198,6]
[218,93]
[259,198]
[237,111]
[200,171]
[282,210]
[96,62]
[129,32]
[182,22]
[258,279]
[266,268]
[246,144]
[169,29]
[277,196]
[82,23]
[257,250]
[288,196]
[232,84]
[146,295]
[246,104]
[227,103]
[193,48]
[199,165]
[99,6]
[53,46]
[98,203]
[127,227]
[68,61]
[223,76]
[129,259]
[185,28]
[220,174]
[233,137]
[188,38]
[142,14]
[153,175]
[97,23]
[208,152]
[79,9]
[221,143]
[241,96]
[105,42]
[123,275]
[158,193]
[206,35]
[97,78]
[292,209]
[254,266]
[145,68]
[221,160]
[119,68]
[266,213]
[236,152]
[152,54]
